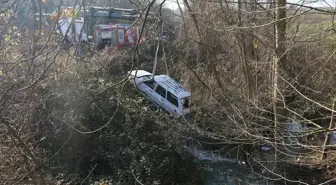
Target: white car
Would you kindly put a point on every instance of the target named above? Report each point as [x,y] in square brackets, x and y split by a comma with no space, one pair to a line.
[163,91]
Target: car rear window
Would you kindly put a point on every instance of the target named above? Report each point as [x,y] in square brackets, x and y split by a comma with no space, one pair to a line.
[185,102]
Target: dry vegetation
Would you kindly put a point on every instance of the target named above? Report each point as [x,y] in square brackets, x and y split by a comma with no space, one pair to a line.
[70,119]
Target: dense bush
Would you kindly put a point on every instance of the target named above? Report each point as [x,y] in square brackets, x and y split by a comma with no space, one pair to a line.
[91,128]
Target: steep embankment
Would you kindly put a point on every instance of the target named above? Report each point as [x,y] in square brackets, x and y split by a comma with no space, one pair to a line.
[93,128]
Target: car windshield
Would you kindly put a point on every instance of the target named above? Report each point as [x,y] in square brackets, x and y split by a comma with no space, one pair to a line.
[185,102]
[146,77]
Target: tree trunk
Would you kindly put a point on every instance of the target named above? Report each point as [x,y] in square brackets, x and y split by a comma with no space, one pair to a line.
[328,134]
[246,54]
[198,44]
[281,28]
[278,66]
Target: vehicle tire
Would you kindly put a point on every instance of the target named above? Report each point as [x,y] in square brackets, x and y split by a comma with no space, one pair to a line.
[153,107]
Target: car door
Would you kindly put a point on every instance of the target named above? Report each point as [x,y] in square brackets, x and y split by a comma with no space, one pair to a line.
[161,96]
[149,90]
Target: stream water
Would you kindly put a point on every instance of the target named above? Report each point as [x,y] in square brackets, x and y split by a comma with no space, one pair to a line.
[219,170]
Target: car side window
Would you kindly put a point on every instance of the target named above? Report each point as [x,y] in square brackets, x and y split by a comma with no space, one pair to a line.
[161,91]
[172,99]
[151,84]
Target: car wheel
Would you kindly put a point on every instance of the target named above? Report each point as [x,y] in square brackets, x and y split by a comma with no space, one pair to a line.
[153,107]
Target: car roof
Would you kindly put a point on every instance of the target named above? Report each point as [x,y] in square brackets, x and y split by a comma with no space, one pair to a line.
[172,86]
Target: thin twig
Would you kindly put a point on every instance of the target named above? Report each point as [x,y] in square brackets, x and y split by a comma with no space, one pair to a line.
[89,173]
